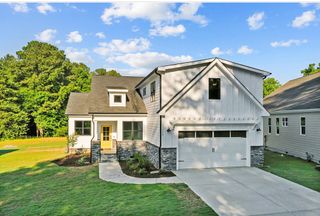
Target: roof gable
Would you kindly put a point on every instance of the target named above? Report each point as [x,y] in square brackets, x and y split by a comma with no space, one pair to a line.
[227,73]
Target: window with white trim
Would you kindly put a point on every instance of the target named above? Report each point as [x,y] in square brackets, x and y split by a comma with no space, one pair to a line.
[144,91]
[277,126]
[285,122]
[269,125]
[153,91]
[303,126]
[82,127]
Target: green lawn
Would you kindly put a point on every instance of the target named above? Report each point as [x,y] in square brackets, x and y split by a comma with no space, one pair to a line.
[293,169]
[31,185]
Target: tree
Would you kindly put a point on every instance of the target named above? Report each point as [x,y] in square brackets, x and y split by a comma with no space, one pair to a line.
[37,84]
[103,71]
[270,85]
[311,69]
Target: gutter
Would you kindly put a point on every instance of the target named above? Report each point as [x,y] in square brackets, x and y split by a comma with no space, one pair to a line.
[93,129]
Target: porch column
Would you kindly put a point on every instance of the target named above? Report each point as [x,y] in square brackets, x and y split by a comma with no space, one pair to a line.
[96,130]
[119,130]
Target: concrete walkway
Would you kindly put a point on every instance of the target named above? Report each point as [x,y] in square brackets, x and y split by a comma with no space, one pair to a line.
[111,171]
[250,191]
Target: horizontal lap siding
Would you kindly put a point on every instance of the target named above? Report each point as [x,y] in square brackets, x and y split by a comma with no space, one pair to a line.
[153,119]
[289,140]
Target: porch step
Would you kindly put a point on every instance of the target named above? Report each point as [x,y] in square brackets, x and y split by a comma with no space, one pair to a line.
[108,157]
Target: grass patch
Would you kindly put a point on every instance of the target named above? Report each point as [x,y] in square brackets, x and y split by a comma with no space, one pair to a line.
[36,186]
[293,169]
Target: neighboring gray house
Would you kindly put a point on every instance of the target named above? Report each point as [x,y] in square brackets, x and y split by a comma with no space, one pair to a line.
[199,114]
[294,123]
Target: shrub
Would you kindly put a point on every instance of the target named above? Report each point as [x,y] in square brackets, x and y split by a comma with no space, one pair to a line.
[61,132]
[139,164]
[84,160]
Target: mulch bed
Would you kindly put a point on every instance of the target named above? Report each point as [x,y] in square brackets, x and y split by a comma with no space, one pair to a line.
[73,160]
[126,170]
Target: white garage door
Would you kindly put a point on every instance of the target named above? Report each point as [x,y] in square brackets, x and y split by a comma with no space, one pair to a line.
[206,149]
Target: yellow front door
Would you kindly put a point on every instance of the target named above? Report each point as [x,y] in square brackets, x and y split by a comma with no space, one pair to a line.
[106,138]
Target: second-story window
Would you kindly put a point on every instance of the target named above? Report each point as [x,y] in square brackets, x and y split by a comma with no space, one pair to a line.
[303,126]
[277,126]
[144,91]
[214,88]
[285,122]
[153,91]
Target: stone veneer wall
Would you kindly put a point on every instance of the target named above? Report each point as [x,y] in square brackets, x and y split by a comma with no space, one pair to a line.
[95,151]
[126,149]
[257,156]
[169,158]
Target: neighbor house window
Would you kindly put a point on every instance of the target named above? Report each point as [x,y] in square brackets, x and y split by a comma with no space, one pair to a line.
[153,91]
[214,88]
[144,91]
[83,127]
[269,125]
[285,122]
[132,130]
[303,126]
[277,126]
[117,98]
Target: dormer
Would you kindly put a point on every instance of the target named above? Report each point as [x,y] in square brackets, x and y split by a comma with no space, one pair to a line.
[117,96]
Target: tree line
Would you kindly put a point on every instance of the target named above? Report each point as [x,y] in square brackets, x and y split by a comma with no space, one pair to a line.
[34,89]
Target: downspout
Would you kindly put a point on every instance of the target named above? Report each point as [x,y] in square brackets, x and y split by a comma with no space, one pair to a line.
[160,130]
[93,129]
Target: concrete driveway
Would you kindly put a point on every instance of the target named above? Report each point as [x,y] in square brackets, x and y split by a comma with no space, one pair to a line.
[250,191]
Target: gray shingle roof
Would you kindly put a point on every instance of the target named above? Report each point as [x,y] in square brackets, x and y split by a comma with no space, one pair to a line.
[97,101]
[77,103]
[301,93]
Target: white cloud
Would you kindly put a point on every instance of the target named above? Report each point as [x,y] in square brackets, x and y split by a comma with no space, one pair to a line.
[74,37]
[80,56]
[44,8]
[20,7]
[117,46]
[47,35]
[148,60]
[245,50]
[154,12]
[288,43]
[166,31]
[100,35]
[217,51]
[304,19]
[255,21]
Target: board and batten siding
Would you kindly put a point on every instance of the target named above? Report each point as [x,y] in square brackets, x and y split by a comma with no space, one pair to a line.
[174,81]
[153,119]
[252,81]
[290,140]
[234,108]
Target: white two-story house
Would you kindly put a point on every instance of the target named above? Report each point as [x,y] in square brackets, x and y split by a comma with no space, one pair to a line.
[199,114]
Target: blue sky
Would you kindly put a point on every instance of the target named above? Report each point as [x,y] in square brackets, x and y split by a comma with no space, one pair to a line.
[135,38]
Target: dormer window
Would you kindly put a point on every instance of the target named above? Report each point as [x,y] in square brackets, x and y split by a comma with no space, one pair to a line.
[117,97]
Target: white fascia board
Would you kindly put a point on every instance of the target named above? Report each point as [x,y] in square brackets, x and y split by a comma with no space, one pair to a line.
[296,111]
[233,64]
[117,90]
[185,64]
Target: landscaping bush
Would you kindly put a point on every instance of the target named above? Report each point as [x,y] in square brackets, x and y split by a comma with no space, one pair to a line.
[139,164]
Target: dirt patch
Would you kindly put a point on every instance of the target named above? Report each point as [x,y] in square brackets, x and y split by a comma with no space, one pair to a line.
[154,173]
[74,160]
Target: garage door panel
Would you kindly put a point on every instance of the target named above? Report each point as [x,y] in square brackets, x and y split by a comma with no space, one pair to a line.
[212,152]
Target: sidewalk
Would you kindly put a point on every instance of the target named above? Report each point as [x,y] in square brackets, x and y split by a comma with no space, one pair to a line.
[111,171]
